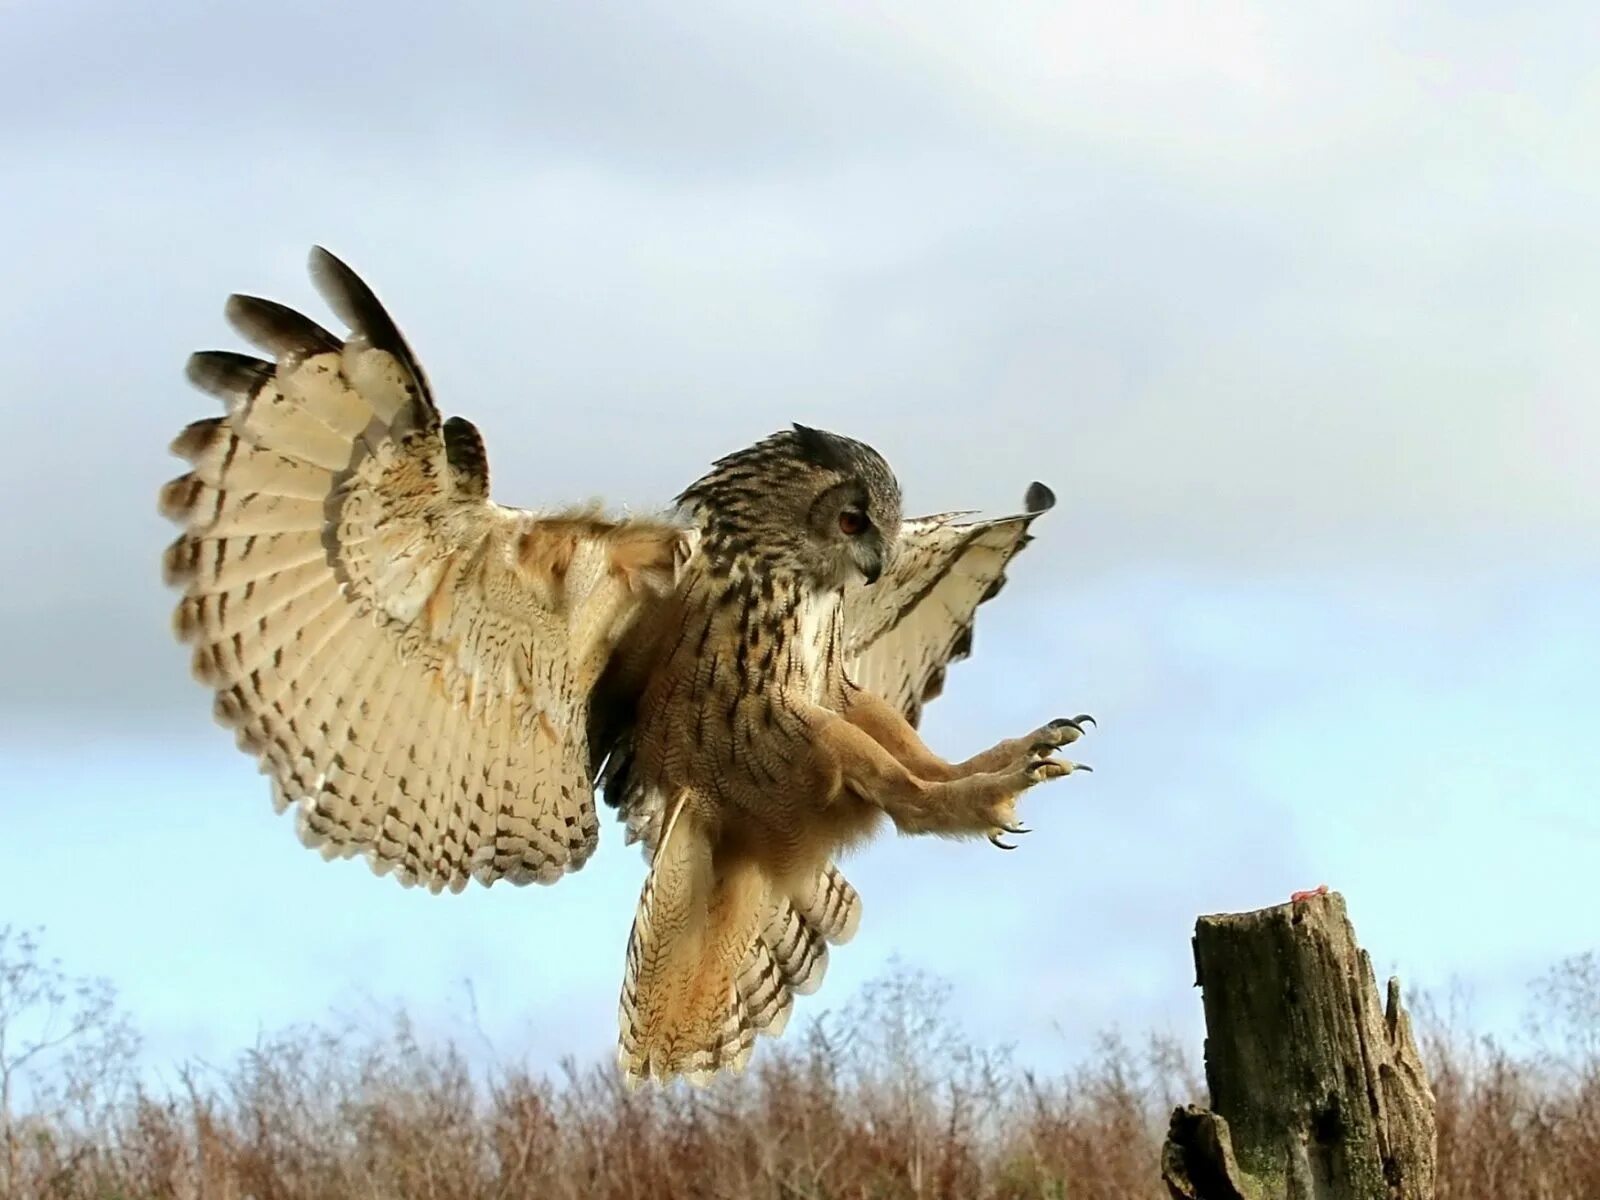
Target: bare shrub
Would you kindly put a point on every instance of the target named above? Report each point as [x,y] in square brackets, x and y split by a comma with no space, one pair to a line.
[1522,1124]
[66,1057]
[885,1098]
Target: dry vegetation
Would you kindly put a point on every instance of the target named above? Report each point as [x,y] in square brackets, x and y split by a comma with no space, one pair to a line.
[885,1100]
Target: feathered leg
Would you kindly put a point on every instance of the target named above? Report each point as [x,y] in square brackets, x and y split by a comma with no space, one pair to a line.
[980,804]
[885,725]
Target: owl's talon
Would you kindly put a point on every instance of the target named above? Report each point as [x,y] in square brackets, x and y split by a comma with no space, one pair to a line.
[994,840]
[1049,768]
[1062,731]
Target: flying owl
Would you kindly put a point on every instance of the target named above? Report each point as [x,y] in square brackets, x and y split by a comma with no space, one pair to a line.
[440,684]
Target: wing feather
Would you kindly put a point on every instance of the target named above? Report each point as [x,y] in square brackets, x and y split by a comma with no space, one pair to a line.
[409,662]
[902,632]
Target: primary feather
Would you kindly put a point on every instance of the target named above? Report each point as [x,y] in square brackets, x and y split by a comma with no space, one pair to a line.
[409,661]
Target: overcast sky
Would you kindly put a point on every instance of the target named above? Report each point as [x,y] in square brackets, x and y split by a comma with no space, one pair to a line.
[1294,309]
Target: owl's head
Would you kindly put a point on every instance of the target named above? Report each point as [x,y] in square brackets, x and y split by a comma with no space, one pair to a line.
[820,505]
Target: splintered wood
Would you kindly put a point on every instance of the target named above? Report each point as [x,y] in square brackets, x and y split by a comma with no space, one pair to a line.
[1317,1089]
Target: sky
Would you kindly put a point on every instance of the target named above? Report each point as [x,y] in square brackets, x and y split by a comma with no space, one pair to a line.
[1291,305]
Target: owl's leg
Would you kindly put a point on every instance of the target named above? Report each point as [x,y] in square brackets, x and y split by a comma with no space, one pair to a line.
[981,804]
[882,722]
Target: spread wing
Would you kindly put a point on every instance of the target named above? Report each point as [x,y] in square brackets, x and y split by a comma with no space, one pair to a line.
[409,662]
[904,630]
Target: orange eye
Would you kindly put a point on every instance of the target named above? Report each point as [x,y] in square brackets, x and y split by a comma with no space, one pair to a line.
[852,522]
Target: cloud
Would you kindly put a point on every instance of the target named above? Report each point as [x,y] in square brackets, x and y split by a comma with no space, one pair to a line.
[1350,329]
[657,87]
[1293,310]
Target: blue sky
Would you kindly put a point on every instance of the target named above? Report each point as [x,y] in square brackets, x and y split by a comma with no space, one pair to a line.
[1294,312]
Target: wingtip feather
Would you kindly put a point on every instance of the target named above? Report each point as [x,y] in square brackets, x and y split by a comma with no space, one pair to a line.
[228,376]
[351,299]
[277,328]
[335,282]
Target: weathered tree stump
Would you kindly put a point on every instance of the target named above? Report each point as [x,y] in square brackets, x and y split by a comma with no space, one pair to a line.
[1317,1093]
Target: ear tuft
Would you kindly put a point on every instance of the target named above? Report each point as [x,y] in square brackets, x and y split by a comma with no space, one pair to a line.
[823,449]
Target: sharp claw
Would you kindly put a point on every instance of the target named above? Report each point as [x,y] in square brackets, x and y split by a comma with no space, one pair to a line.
[1016,828]
[994,840]
[1067,723]
[1083,767]
[1083,718]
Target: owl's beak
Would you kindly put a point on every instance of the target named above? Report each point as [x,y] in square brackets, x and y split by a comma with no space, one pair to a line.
[871,562]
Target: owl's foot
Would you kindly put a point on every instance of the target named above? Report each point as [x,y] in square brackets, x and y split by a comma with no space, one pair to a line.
[1001,813]
[1019,753]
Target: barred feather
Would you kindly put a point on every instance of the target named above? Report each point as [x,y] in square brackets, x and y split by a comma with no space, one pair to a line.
[830,906]
[682,1011]
[716,958]
[392,647]
[902,633]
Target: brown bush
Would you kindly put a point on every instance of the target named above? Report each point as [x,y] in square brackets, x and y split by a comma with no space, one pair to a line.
[1523,1124]
[883,1099]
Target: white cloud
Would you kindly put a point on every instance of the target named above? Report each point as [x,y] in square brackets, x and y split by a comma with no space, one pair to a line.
[1294,309]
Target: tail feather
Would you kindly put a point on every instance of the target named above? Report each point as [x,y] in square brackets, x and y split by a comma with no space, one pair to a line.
[797,948]
[767,996]
[830,905]
[681,1012]
[717,954]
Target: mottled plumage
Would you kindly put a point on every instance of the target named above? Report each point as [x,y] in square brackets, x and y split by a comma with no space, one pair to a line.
[437,682]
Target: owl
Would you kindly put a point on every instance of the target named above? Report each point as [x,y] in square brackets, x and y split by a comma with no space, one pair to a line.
[441,684]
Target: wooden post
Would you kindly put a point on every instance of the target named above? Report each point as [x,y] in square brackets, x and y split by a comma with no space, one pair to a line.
[1317,1093]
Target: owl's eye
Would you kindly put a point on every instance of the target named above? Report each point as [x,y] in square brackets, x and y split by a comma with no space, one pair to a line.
[852,522]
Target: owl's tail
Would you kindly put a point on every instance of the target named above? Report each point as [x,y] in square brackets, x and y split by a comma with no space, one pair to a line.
[717,954]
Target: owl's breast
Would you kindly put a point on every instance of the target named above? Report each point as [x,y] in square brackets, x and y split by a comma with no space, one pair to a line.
[722,711]
[817,638]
